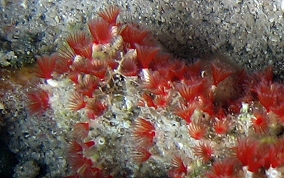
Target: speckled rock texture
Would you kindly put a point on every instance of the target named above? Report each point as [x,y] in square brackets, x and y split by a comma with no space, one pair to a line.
[250,32]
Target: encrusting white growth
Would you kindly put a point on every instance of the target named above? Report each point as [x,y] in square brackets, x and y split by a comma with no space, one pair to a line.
[273,173]
[282,5]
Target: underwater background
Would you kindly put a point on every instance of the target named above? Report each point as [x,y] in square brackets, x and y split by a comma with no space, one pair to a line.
[141,88]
